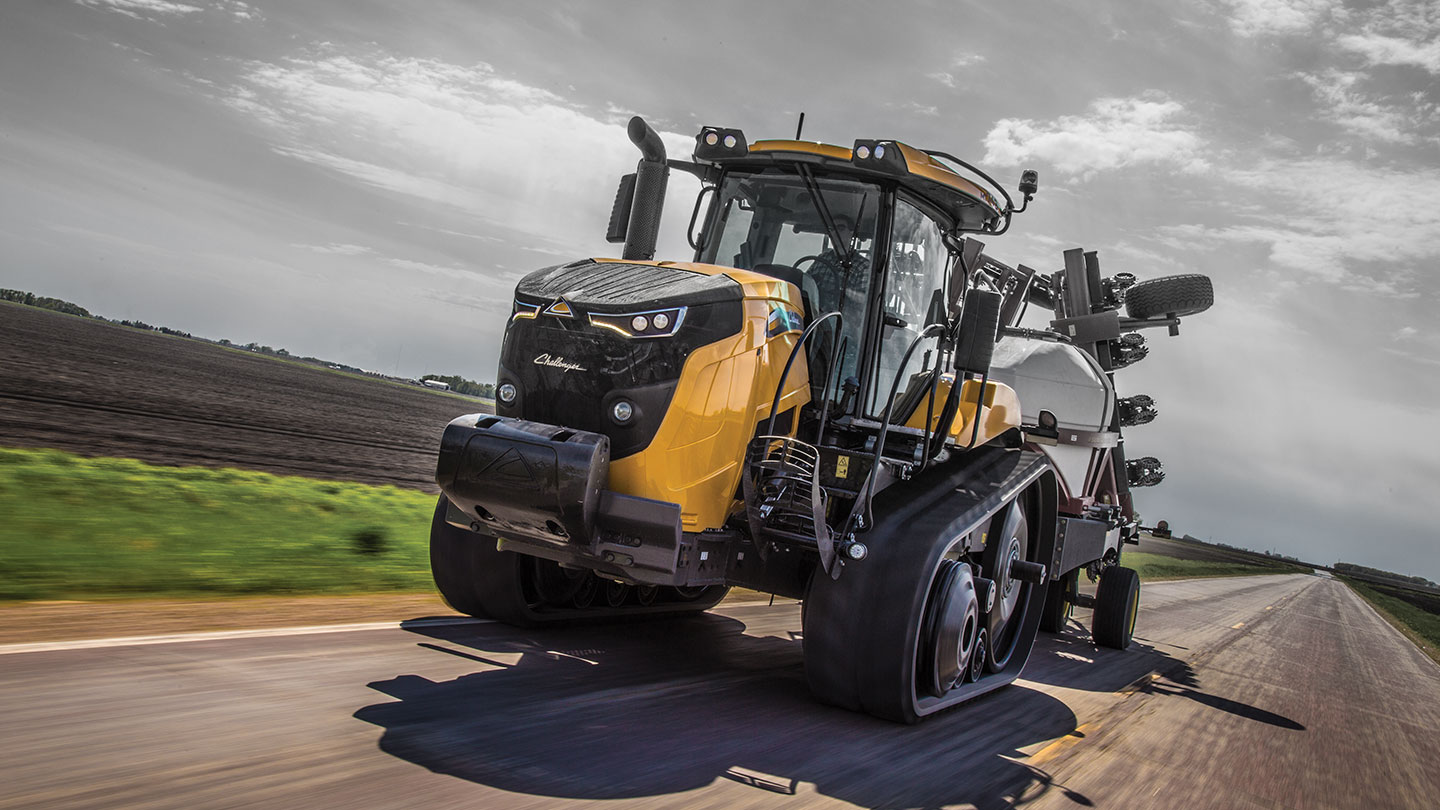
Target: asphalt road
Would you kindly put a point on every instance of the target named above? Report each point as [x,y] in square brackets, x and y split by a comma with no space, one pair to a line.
[1273,692]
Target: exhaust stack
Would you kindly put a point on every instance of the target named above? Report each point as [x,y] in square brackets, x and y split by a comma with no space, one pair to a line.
[651,177]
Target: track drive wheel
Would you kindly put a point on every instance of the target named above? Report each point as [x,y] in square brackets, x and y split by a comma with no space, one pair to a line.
[895,636]
[1058,605]
[1117,601]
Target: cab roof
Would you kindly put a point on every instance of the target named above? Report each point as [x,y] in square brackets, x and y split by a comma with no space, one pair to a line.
[972,207]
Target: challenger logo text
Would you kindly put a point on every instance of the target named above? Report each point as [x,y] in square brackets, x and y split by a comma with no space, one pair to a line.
[558,362]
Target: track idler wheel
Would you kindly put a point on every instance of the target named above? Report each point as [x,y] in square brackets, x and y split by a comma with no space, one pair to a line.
[952,627]
[1004,561]
[616,593]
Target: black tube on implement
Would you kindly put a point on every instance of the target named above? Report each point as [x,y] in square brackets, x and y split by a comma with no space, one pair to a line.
[651,177]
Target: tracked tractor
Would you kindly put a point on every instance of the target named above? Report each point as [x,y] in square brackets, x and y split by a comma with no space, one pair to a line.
[832,400]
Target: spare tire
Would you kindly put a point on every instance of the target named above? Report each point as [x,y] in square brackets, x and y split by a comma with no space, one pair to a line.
[1171,296]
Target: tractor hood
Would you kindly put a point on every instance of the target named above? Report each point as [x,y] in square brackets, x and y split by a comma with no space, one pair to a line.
[617,286]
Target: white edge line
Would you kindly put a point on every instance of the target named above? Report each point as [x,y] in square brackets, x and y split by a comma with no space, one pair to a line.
[221,635]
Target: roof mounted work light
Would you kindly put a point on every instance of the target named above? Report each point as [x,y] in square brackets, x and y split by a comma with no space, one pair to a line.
[882,156]
[716,143]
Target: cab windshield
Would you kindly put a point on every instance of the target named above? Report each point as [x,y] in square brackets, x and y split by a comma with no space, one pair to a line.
[815,230]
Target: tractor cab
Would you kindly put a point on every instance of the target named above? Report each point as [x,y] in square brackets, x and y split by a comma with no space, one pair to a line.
[871,233]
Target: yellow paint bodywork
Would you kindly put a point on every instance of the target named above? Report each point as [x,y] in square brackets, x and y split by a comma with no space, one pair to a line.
[999,412]
[725,389]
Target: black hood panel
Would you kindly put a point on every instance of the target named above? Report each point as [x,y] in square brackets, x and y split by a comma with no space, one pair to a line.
[621,286]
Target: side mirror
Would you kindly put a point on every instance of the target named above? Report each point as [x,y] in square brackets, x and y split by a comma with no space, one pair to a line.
[620,212]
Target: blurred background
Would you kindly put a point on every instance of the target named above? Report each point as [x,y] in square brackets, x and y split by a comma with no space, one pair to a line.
[290,215]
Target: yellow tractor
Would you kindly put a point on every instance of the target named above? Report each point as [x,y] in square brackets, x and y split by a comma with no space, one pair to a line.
[832,401]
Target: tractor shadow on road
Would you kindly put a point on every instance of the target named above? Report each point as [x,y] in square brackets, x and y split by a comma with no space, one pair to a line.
[664,707]
[1072,660]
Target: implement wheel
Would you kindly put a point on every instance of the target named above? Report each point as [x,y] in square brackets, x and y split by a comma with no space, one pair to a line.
[1170,296]
[1058,605]
[1117,602]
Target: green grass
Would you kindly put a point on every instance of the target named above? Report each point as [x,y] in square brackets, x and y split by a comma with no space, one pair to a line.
[76,528]
[1154,567]
[1420,626]
[80,528]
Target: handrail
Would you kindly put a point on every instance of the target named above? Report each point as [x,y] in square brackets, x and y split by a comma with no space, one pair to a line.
[863,499]
[794,352]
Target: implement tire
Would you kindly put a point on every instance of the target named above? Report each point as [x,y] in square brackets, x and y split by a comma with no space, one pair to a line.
[1117,602]
[1058,605]
[1170,296]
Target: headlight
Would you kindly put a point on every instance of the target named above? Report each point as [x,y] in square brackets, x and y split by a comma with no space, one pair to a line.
[622,411]
[651,324]
[507,393]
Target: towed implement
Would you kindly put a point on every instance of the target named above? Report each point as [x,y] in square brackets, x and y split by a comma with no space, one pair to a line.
[834,401]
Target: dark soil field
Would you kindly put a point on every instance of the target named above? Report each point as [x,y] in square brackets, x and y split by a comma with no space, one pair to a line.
[104,390]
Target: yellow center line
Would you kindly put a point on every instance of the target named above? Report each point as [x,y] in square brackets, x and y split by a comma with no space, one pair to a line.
[1053,749]
[1237,626]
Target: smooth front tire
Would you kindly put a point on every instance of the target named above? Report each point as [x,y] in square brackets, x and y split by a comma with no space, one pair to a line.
[1117,603]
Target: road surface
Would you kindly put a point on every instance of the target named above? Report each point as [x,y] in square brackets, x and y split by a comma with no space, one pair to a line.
[1263,692]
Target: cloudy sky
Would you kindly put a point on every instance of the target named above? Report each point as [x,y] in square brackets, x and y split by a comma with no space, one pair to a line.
[365,181]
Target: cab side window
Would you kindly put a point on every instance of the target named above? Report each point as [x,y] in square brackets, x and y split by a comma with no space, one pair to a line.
[916,271]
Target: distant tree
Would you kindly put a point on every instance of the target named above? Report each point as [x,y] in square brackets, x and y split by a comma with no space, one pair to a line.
[41,302]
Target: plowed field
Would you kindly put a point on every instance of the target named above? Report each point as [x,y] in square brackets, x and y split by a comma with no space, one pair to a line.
[98,389]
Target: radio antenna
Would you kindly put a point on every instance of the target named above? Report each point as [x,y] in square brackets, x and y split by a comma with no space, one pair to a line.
[800,126]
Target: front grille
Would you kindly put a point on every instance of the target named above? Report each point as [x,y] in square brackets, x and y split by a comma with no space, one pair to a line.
[570,373]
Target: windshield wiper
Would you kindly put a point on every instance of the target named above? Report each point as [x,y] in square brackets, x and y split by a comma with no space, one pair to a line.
[821,208]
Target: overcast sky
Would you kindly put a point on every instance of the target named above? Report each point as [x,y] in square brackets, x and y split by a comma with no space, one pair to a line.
[365,181]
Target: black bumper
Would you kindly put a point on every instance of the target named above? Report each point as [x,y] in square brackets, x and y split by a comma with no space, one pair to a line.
[541,490]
